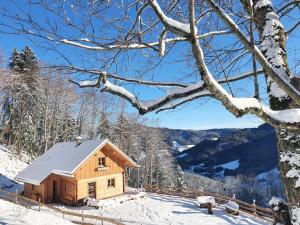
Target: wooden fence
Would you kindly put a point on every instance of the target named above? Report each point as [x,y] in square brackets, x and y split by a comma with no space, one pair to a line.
[260,212]
[257,211]
[28,202]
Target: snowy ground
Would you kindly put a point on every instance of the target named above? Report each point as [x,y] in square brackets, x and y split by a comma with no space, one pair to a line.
[10,165]
[152,209]
[156,209]
[18,215]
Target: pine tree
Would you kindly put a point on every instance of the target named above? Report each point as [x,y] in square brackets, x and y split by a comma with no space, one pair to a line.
[15,61]
[121,132]
[103,129]
[180,180]
[25,114]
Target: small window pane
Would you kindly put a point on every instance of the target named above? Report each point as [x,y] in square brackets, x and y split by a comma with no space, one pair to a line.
[101,161]
[111,183]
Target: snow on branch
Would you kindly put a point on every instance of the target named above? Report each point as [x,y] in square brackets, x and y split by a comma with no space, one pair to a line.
[182,29]
[182,101]
[183,92]
[126,79]
[132,46]
[289,118]
[148,106]
[154,83]
[278,74]
[87,83]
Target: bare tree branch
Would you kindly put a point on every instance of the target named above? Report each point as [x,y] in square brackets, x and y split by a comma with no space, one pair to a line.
[279,75]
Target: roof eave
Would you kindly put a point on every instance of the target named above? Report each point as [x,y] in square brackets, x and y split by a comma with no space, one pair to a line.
[24,180]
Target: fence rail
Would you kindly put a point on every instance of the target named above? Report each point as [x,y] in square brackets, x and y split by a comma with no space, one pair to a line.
[245,207]
[15,198]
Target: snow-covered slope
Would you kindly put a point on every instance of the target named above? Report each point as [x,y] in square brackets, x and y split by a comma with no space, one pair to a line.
[156,209]
[18,215]
[10,166]
[152,209]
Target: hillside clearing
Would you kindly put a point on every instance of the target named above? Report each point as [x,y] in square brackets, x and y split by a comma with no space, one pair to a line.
[158,209]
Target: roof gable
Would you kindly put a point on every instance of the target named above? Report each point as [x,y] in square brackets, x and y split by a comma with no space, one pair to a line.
[64,159]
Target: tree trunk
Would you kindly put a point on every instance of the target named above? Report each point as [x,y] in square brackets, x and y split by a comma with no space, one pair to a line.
[273,46]
[288,142]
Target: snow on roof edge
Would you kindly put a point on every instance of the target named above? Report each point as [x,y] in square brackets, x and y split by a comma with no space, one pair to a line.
[24,180]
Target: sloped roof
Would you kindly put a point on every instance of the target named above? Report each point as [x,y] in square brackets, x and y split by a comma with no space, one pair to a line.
[63,159]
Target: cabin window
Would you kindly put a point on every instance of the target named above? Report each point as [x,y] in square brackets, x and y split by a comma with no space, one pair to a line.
[111,183]
[101,162]
[32,187]
[65,186]
[92,189]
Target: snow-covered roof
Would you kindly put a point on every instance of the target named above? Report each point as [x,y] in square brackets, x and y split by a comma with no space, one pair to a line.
[64,159]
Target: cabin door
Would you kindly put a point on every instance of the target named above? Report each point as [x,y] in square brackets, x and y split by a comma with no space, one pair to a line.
[92,189]
[54,191]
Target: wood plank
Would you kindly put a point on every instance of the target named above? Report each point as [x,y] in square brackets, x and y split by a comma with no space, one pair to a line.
[89,169]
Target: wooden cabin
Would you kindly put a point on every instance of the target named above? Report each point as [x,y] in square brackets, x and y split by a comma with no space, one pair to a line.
[71,171]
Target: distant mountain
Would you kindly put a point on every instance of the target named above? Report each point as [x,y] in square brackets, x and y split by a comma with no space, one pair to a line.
[225,152]
[192,137]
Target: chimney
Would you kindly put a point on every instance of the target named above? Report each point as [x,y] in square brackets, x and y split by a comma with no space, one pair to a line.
[78,140]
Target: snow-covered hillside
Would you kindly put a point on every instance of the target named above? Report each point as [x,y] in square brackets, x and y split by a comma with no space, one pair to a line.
[180,148]
[13,214]
[151,209]
[157,209]
[10,165]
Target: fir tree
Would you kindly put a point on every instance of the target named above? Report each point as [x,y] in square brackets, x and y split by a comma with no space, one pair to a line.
[180,179]
[121,132]
[15,61]
[103,129]
[25,114]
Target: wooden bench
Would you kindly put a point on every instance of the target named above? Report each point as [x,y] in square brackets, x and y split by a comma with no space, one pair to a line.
[232,207]
[206,202]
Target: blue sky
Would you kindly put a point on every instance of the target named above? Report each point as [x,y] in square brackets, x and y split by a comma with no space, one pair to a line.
[201,114]
[195,115]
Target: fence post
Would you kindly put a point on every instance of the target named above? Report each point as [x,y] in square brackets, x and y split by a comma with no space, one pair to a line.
[254,206]
[233,196]
[82,219]
[16,196]
[39,204]
[101,214]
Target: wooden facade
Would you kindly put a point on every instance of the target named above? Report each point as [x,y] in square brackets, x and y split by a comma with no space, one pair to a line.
[88,180]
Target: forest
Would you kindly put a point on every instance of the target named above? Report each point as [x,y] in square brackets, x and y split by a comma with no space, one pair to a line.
[40,108]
